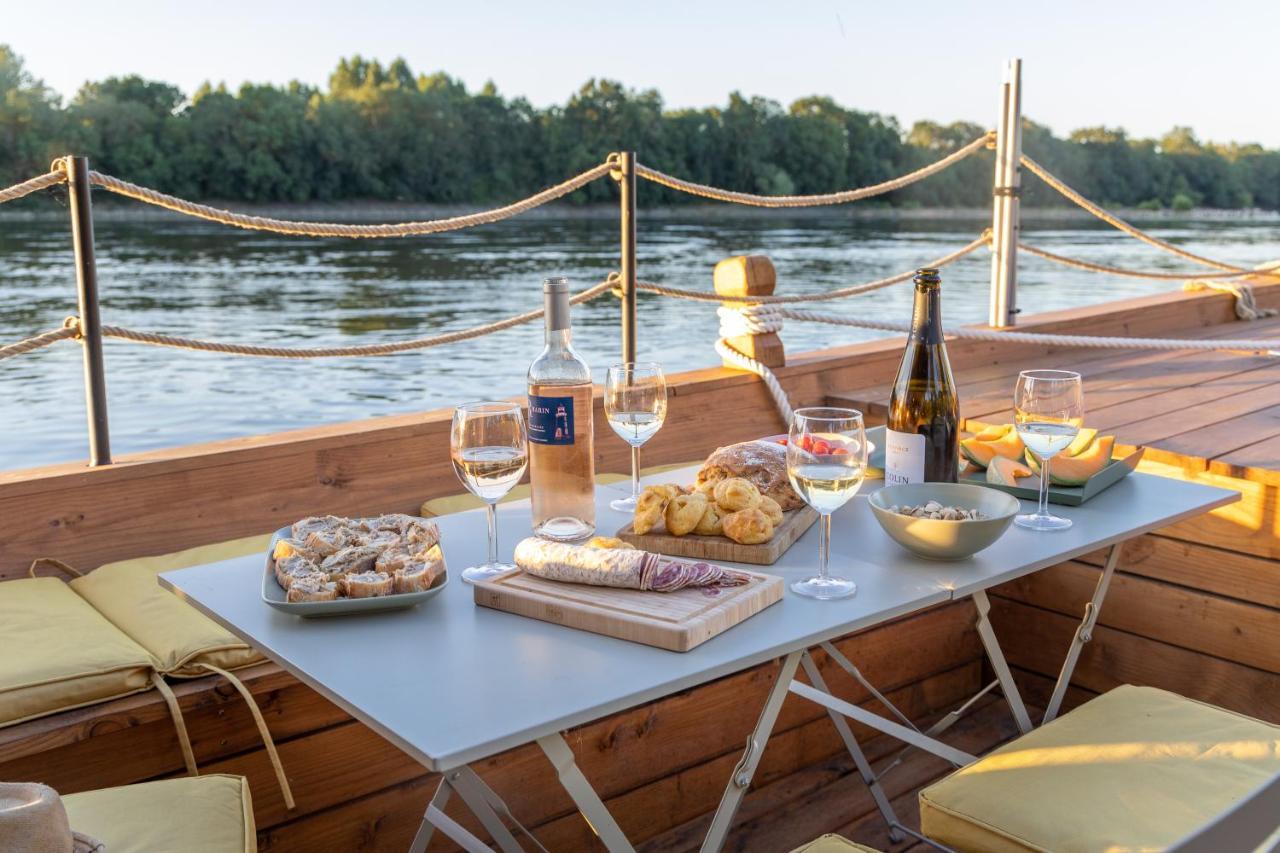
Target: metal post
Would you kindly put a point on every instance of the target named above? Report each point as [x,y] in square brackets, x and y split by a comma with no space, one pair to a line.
[1005,212]
[95,380]
[627,185]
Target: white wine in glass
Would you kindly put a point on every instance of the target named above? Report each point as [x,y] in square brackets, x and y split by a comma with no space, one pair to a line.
[826,461]
[635,402]
[1048,410]
[489,451]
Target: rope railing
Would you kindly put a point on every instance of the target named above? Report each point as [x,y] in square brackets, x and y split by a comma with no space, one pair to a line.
[26,188]
[339,229]
[840,293]
[71,329]
[1268,270]
[844,197]
[1116,222]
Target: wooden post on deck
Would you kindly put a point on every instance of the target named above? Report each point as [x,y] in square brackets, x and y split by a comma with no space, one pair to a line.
[1007,187]
[750,275]
[95,379]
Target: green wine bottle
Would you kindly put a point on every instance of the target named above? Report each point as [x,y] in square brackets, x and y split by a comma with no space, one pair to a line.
[923,435]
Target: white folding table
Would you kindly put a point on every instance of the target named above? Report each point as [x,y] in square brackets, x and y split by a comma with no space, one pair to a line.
[451,683]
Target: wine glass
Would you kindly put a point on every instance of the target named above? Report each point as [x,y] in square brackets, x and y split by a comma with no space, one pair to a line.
[826,460]
[1048,409]
[487,445]
[635,401]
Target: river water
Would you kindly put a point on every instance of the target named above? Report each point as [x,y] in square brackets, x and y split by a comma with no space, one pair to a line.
[206,281]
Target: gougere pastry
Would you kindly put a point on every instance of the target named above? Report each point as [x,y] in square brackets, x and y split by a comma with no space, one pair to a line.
[736,493]
[748,527]
[684,512]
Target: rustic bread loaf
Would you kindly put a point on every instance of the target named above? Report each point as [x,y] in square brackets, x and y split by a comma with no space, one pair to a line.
[762,463]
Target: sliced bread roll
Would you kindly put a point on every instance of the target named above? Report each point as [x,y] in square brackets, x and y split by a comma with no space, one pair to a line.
[314,587]
[367,584]
[420,572]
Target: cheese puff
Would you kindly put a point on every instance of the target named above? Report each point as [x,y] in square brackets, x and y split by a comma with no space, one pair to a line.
[770,508]
[710,524]
[736,494]
[748,527]
[684,512]
[649,509]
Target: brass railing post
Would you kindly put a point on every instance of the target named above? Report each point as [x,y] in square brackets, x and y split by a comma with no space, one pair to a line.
[626,176]
[95,380]
[1007,187]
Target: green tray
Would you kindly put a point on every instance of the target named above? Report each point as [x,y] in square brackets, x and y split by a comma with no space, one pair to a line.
[1029,487]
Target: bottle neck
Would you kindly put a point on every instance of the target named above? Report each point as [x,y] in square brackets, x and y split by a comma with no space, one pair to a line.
[559,330]
[926,316]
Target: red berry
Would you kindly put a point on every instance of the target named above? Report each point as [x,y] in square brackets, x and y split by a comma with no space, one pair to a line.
[821,447]
[840,451]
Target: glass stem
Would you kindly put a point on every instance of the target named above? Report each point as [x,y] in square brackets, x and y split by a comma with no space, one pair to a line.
[1044,486]
[824,547]
[493,532]
[635,471]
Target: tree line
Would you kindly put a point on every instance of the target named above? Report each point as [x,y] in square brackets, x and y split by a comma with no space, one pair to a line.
[383,132]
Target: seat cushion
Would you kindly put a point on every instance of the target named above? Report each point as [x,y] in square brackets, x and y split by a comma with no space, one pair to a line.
[208,814]
[175,633]
[465,501]
[61,653]
[1134,769]
[831,843]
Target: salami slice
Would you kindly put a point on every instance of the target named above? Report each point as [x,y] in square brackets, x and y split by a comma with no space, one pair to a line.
[624,569]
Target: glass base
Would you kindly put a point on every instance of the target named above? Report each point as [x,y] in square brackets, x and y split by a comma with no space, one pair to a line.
[1036,521]
[564,528]
[486,572]
[825,588]
[627,504]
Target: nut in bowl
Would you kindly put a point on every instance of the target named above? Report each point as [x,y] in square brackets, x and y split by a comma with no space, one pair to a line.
[965,520]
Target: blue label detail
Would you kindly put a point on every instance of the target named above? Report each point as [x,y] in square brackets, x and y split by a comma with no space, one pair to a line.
[550,420]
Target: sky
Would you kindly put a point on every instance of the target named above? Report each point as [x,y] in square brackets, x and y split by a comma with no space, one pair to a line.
[1143,66]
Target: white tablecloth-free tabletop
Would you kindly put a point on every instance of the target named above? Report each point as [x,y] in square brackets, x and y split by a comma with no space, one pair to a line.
[450,682]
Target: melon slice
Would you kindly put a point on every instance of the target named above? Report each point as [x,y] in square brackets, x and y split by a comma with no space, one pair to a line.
[1083,439]
[991,433]
[1076,470]
[1005,472]
[980,453]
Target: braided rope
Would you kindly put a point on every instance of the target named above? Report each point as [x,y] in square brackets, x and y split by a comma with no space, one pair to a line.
[746,362]
[1269,270]
[338,229]
[852,290]
[43,339]
[17,191]
[334,352]
[844,197]
[1247,307]
[1116,222]
[1259,347]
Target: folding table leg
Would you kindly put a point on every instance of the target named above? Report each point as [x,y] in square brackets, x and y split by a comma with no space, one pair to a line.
[1083,634]
[998,663]
[584,796]
[847,666]
[746,767]
[851,744]
[482,801]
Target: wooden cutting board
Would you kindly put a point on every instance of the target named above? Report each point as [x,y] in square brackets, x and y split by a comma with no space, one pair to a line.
[721,549]
[677,621]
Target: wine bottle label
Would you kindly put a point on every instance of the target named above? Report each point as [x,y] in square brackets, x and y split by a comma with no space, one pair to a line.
[550,420]
[903,457]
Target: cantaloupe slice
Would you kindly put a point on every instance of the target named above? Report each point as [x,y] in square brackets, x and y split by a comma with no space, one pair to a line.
[1084,438]
[1076,470]
[1005,472]
[991,433]
[980,453]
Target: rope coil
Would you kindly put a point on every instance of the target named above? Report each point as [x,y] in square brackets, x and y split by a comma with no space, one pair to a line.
[844,197]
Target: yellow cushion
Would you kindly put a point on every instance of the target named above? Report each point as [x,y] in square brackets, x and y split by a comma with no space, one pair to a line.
[200,814]
[832,843]
[60,654]
[465,501]
[174,632]
[1134,769]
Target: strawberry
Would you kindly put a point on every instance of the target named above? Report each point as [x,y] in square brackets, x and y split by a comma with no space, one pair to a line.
[822,447]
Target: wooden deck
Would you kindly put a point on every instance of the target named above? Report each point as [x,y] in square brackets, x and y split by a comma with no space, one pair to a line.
[1193,608]
[1215,408]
